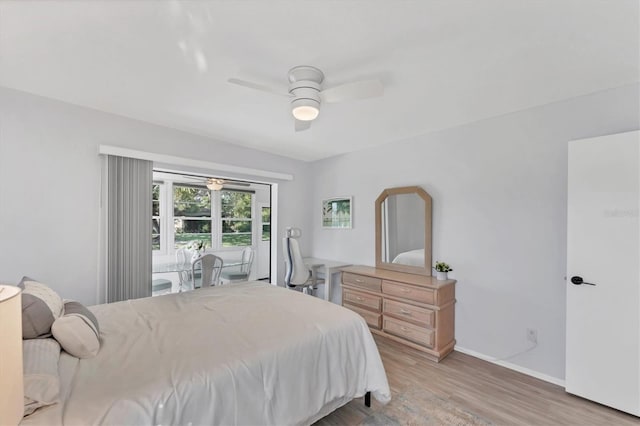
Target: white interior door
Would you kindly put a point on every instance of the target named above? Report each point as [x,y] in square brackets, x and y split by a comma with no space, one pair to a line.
[603,320]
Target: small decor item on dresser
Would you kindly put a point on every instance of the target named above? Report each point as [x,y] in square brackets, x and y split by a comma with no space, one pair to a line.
[441,270]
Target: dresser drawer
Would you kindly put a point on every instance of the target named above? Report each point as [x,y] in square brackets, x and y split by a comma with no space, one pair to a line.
[362,299]
[369,283]
[413,314]
[419,294]
[373,319]
[415,333]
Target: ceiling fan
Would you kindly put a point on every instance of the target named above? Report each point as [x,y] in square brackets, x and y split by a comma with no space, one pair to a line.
[306,92]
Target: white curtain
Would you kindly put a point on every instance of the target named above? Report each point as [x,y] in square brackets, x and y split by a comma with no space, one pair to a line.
[128,228]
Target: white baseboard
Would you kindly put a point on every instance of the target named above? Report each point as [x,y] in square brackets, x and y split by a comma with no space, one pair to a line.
[512,366]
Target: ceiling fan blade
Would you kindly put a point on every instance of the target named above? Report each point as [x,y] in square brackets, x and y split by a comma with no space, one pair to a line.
[352,91]
[302,125]
[257,86]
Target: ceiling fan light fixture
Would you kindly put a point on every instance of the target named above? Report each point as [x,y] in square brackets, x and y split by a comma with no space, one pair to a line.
[214,184]
[305,109]
[306,92]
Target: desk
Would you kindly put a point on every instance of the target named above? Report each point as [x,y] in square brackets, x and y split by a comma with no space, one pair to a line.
[330,267]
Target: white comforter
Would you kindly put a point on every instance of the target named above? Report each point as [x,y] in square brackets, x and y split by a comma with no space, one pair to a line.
[244,354]
[411,257]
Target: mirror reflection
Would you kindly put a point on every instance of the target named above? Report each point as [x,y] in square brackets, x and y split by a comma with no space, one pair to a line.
[403,229]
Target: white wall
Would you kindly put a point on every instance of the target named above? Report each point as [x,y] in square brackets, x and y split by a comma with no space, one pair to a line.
[50,182]
[499,215]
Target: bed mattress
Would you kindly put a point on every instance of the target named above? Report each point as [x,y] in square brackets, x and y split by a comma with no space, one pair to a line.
[411,257]
[247,353]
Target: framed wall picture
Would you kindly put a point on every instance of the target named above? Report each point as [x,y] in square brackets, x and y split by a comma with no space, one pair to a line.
[337,213]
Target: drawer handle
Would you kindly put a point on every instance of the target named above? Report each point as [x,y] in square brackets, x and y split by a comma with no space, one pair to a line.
[405,312]
[405,290]
[359,298]
[359,281]
[405,329]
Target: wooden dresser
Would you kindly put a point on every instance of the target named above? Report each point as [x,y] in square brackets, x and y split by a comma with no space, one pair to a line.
[412,309]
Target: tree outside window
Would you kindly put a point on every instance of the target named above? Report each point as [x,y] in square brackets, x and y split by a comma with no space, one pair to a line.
[221,219]
[191,215]
[155,217]
[266,223]
[235,209]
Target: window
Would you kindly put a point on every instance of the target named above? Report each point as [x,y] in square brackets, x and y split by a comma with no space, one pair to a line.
[235,209]
[266,224]
[185,212]
[155,217]
[191,215]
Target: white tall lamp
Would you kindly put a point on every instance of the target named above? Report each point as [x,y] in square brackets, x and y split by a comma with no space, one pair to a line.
[11,385]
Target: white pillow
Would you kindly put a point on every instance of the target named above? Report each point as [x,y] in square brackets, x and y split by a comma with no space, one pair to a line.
[41,377]
[77,331]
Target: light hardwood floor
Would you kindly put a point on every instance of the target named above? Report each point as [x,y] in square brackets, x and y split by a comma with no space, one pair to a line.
[484,392]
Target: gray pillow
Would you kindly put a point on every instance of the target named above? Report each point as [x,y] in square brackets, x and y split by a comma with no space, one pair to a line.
[41,306]
[77,331]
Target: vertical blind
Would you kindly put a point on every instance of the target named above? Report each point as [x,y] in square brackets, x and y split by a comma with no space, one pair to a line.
[129,228]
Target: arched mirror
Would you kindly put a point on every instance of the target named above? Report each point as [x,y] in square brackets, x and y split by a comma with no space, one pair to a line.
[403,230]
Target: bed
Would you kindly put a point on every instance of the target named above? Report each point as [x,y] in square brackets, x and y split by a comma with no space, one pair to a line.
[247,353]
[411,257]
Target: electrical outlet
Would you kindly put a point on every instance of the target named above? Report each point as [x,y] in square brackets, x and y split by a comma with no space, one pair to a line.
[532,335]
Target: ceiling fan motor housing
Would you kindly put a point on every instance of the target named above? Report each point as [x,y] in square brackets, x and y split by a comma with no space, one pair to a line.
[306,92]
[305,85]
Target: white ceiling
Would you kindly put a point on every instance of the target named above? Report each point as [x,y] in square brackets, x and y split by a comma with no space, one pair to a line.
[443,63]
